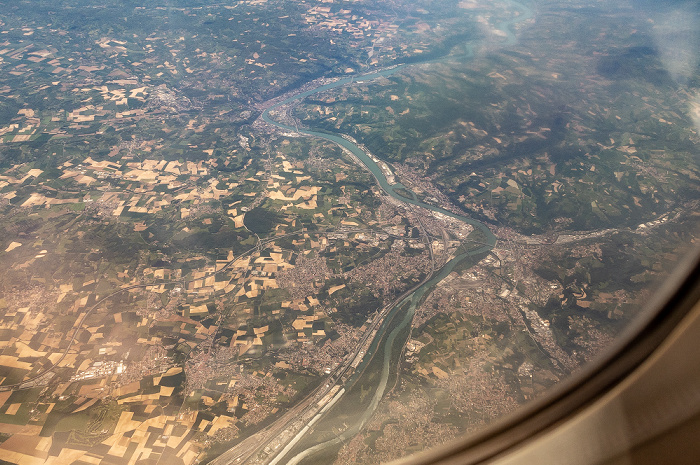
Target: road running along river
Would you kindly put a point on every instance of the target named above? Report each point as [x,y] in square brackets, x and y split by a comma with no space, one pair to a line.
[395,323]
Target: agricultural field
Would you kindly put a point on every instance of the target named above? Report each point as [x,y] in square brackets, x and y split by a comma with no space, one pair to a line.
[180,276]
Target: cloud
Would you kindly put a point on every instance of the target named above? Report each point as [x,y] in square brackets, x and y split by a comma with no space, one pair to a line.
[676,35]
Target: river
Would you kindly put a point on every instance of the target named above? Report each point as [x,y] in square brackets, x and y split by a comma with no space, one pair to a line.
[395,324]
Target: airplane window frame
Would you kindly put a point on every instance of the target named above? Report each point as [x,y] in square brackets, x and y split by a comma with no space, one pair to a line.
[676,301]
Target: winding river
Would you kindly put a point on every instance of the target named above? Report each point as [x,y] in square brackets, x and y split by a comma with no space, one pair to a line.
[399,317]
